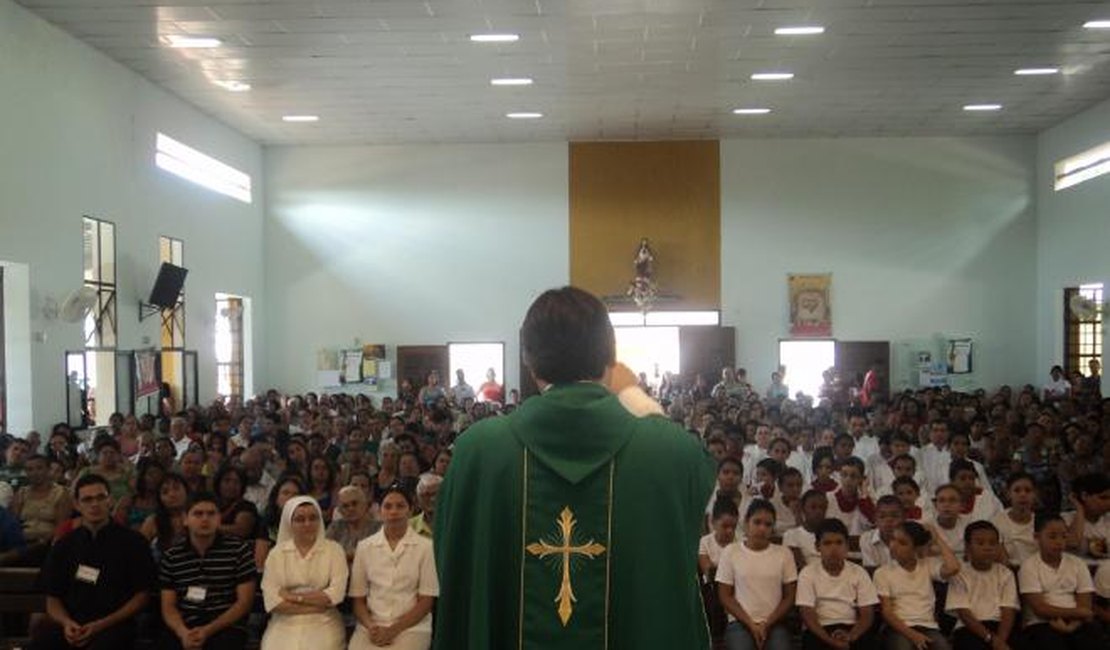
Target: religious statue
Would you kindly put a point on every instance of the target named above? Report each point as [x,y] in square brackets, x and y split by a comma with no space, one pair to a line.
[643,289]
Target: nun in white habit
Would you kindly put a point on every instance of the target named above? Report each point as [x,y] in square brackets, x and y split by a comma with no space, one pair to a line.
[304,579]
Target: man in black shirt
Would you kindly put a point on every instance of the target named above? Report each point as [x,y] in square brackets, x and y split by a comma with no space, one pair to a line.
[97,578]
[207,582]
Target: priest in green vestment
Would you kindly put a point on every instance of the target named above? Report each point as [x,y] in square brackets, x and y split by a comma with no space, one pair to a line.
[573,523]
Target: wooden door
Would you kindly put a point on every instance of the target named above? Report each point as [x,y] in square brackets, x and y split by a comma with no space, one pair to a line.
[853,358]
[706,349]
[414,362]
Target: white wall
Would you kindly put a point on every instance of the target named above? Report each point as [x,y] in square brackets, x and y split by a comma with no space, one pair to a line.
[923,236]
[77,138]
[17,345]
[1073,234]
[409,245]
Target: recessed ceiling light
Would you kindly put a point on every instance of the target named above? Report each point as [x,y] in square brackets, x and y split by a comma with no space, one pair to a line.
[495,38]
[1097,24]
[511,81]
[751,111]
[233,86]
[1033,72]
[983,107]
[300,118]
[192,42]
[524,115]
[800,30]
[772,76]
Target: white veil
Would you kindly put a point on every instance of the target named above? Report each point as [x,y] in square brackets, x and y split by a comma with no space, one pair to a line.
[285,530]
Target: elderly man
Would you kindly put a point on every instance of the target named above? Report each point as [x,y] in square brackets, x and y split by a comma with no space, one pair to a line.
[426,491]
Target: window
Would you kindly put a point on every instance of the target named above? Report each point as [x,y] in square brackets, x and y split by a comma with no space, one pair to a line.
[804,362]
[172,251]
[192,165]
[1092,163]
[1082,331]
[100,274]
[229,345]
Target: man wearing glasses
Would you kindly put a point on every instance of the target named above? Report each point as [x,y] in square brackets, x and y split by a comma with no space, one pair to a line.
[96,578]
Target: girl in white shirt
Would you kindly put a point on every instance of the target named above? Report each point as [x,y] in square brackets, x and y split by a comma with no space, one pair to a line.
[304,581]
[905,588]
[756,580]
[1015,524]
[393,582]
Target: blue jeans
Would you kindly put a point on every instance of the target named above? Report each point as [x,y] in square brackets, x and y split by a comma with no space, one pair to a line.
[737,637]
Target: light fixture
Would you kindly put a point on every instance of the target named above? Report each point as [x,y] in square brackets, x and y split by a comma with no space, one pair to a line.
[494,38]
[524,115]
[1097,24]
[772,76]
[983,107]
[511,81]
[192,42]
[300,118]
[800,30]
[233,86]
[1035,72]
[751,111]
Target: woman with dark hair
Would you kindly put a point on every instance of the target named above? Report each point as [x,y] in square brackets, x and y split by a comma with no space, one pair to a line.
[133,509]
[321,485]
[166,526]
[238,517]
[286,487]
[192,469]
[111,465]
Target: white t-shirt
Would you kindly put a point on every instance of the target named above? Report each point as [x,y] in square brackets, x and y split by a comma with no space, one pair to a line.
[934,463]
[955,535]
[1059,585]
[1098,530]
[710,547]
[784,516]
[757,577]
[1058,387]
[912,591]
[853,520]
[803,540]
[836,598]
[985,593]
[986,506]
[802,461]
[874,550]
[1017,538]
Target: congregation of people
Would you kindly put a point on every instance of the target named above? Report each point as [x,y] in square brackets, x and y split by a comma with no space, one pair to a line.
[927,519]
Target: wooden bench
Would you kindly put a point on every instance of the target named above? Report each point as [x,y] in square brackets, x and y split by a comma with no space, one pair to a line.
[19,598]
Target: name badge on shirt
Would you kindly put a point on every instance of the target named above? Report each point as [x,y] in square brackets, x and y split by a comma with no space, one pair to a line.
[86,573]
[195,594]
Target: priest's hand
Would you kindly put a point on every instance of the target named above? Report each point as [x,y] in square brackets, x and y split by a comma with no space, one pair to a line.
[618,377]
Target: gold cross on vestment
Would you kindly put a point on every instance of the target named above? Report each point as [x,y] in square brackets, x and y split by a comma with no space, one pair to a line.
[566,548]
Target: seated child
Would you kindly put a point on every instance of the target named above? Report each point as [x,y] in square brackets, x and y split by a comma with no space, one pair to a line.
[837,598]
[905,588]
[823,470]
[950,521]
[848,503]
[756,581]
[725,520]
[977,504]
[1015,524]
[1056,590]
[1089,527]
[788,501]
[802,540]
[767,472]
[983,597]
[959,448]
[874,545]
[915,507]
[900,463]
[730,475]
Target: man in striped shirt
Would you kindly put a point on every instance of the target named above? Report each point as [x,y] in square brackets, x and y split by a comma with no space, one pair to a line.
[207,582]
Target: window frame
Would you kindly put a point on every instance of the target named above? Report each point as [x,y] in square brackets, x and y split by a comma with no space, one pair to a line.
[106,290]
[1083,338]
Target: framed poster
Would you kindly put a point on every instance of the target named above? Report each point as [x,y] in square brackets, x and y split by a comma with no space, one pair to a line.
[810,305]
[147,379]
[959,357]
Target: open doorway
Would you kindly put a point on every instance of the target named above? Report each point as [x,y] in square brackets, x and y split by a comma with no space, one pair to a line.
[650,350]
[803,362]
[475,360]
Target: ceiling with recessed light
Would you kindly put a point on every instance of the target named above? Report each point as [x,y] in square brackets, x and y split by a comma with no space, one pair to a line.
[387,71]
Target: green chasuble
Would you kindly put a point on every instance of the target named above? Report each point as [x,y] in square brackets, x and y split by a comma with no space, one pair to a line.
[572,524]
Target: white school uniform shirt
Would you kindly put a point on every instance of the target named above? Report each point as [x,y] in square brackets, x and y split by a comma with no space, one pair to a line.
[784,516]
[836,598]
[803,540]
[935,464]
[390,579]
[985,593]
[802,461]
[866,447]
[752,455]
[745,501]
[1097,530]
[853,520]
[986,506]
[1018,539]
[912,591]
[874,550]
[1059,585]
[710,547]
[757,577]
[955,535]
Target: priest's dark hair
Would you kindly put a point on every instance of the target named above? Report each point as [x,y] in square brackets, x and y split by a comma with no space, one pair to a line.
[567,336]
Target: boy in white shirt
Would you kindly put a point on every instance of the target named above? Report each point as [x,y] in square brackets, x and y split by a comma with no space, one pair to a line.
[1056,590]
[802,540]
[1015,524]
[836,598]
[977,504]
[848,503]
[905,588]
[787,500]
[1089,528]
[950,521]
[983,597]
[874,545]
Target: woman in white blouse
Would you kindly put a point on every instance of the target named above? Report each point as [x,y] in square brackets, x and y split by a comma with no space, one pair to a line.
[305,578]
[393,582]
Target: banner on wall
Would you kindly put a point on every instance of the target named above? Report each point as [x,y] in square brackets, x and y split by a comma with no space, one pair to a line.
[810,305]
[147,381]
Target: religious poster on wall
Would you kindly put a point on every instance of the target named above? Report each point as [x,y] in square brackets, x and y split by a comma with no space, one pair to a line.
[959,357]
[147,381]
[810,305]
[350,367]
[372,355]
